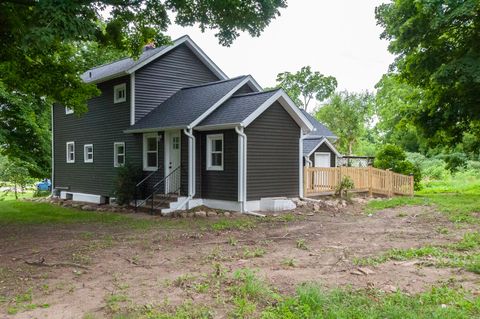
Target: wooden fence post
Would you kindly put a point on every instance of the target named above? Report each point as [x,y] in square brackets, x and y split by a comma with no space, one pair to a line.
[305,181]
[411,185]
[390,183]
[370,179]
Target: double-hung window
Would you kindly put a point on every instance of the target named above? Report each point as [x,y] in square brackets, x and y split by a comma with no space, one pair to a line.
[215,152]
[70,152]
[120,93]
[118,154]
[150,152]
[88,153]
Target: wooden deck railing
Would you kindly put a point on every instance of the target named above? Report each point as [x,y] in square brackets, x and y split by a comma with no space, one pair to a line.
[323,181]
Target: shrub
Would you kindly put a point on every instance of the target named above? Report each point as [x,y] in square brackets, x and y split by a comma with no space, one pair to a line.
[455,161]
[394,158]
[345,185]
[127,177]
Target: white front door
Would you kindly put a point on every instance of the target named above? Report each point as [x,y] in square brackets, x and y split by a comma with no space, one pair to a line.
[322,159]
[172,161]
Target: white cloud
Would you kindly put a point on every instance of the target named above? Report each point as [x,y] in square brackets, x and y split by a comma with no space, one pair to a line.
[338,38]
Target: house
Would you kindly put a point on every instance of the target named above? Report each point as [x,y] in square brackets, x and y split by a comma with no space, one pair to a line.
[212,140]
[318,150]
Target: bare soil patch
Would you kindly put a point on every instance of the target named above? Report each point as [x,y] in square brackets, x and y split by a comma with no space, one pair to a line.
[155,265]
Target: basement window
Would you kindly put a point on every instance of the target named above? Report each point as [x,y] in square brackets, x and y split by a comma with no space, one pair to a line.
[70,152]
[215,152]
[120,93]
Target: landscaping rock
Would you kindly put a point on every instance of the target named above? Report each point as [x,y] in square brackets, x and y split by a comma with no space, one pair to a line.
[226,214]
[87,208]
[201,214]
[212,213]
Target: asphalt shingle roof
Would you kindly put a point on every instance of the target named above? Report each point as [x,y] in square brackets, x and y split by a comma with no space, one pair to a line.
[237,108]
[117,67]
[318,128]
[310,144]
[185,106]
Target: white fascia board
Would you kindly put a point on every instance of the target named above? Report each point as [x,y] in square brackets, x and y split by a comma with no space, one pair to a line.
[196,50]
[330,146]
[287,104]
[154,129]
[219,102]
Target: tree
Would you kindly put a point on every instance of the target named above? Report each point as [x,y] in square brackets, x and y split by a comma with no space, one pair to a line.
[39,53]
[16,173]
[437,44]
[349,116]
[305,86]
[396,103]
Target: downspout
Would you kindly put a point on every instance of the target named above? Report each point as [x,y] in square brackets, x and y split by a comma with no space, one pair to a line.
[300,164]
[191,166]
[242,179]
[53,153]
[307,160]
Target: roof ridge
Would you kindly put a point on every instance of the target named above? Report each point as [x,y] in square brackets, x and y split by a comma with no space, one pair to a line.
[213,83]
[255,93]
[125,58]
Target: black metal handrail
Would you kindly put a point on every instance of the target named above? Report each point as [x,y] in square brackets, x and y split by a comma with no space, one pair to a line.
[155,189]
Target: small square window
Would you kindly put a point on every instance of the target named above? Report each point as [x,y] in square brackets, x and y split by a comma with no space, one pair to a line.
[215,152]
[68,111]
[118,154]
[88,153]
[120,93]
[70,152]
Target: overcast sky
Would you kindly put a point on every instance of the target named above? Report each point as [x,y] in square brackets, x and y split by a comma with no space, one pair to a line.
[335,37]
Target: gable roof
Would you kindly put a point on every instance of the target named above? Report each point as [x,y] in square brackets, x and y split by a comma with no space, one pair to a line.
[237,108]
[128,65]
[318,128]
[243,109]
[311,144]
[190,105]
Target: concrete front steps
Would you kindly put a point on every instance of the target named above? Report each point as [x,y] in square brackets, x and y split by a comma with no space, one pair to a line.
[163,203]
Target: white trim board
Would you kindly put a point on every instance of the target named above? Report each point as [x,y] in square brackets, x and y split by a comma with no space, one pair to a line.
[330,146]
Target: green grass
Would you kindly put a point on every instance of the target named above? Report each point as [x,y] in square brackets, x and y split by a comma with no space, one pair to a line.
[464,254]
[311,301]
[458,198]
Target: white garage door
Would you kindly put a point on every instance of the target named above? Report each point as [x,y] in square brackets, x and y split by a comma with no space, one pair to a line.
[322,160]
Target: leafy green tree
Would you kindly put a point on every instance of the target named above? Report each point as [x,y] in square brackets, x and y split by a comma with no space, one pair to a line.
[39,53]
[396,103]
[25,131]
[394,158]
[16,173]
[437,44]
[306,85]
[349,115]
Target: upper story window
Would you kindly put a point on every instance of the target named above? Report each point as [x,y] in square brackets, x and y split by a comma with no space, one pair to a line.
[150,151]
[120,93]
[70,152]
[118,154]
[68,111]
[88,153]
[215,152]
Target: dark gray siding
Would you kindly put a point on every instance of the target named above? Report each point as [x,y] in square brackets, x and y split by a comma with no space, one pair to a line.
[101,126]
[222,185]
[325,149]
[272,155]
[160,79]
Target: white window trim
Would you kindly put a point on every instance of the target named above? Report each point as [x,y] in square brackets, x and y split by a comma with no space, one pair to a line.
[115,154]
[210,138]
[85,153]
[68,153]
[69,111]
[145,159]
[117,88]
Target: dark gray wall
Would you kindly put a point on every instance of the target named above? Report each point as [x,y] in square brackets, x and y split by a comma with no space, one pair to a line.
[272,155]
[101,126]
[325,149]
[160,79]
[222,185]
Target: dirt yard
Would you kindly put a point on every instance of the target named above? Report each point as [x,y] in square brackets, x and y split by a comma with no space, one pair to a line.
[100,269]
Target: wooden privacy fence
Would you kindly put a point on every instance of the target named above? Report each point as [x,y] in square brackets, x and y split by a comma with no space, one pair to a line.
[324,180]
